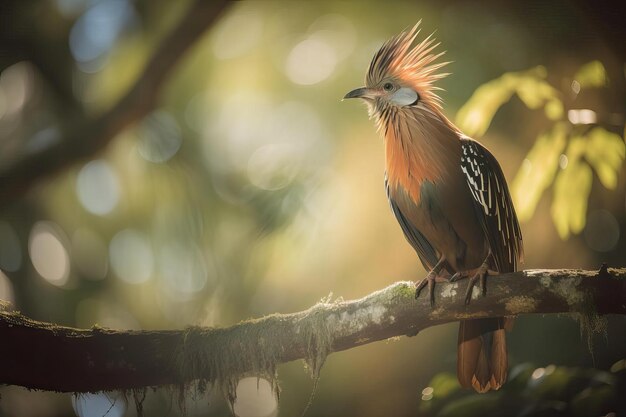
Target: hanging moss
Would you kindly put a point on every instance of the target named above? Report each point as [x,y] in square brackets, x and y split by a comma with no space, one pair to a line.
[222,357]
[591,323]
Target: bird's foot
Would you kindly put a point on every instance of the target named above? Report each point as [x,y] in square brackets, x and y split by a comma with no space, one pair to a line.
[432,277]
[480,278]
[476,276]
[430,281]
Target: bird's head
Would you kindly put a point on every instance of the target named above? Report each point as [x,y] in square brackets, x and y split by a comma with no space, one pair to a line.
[401,76]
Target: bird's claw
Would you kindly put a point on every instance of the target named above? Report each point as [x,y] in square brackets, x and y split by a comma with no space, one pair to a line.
[479,277]
[430,280]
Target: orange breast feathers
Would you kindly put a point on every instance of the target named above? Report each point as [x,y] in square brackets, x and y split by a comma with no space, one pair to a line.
[419,149]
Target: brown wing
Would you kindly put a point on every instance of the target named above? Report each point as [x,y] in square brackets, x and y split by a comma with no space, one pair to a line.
[422,246]
[493,205]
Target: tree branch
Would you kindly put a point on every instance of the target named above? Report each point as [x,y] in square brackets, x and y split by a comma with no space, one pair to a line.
[45,356]
[88,137]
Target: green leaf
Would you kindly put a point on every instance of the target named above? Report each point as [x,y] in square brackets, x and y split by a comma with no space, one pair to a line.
[571,191]
[552,385]
[538,170]
[592,74]
[534,91]
[605,153]
[475,116]
[442,388]
[554,109]
[444,384]
[619,366]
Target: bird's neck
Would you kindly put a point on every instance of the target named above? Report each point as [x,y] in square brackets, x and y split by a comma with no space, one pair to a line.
[420,145]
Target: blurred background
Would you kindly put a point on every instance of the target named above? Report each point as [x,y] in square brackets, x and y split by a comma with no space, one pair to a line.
[247,187]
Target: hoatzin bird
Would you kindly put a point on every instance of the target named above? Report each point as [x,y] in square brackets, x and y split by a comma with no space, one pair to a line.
[446,190]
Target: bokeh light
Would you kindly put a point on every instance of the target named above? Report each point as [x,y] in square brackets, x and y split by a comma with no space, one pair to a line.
[6,289]
[273,167]
[48,254]
[582,116]
[230,41]
[183,270]
[131,256]
[538,373]
[95,32]
[427,393]
[243,120]
[10,250]
[268,140]
[97,187]
[255,398]
[159,137]
[43,139]
[99,405]
[310,61]
[16,88]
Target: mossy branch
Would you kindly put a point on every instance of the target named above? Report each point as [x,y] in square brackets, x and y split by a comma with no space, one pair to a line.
[45,356]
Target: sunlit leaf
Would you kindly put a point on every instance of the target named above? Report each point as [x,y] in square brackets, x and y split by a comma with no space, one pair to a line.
[475,116]
[571,191]
[605,152]
[444,384]
[528,90]
[554,109]
[538,170]
[591,74]
[534,91]
[619,366]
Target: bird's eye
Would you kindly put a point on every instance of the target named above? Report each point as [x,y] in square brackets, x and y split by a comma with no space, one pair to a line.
[388,87]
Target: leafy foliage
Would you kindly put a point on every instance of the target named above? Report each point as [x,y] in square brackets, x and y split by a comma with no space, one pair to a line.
[565,155]
[550,391]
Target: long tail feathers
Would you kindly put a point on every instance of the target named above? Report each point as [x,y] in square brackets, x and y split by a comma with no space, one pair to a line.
[482,356]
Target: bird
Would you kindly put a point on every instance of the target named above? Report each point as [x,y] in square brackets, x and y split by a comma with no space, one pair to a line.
[447,192]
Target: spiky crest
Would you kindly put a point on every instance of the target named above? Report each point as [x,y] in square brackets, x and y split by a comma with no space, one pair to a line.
[415,67]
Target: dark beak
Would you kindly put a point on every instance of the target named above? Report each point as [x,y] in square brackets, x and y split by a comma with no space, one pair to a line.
[357,93]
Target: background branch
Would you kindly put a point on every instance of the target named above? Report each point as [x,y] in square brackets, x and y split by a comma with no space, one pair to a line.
[91,135]
[44,356]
